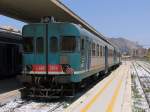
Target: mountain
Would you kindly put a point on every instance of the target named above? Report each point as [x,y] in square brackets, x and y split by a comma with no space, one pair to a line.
[125,45]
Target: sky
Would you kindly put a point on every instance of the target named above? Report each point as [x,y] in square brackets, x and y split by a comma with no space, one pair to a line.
[129,19]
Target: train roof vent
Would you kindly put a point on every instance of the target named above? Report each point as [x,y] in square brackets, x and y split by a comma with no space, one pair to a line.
[48,19]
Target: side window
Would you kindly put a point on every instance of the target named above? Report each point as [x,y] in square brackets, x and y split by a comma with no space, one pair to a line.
[112,52]
[39,45]
[108,52]
[93,49]
[53,44]
[82,44]
[90,48]
[98,50]
[68,43]
[28,44]
[101,51]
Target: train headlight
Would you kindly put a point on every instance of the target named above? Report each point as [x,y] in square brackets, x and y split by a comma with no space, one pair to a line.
[67,69]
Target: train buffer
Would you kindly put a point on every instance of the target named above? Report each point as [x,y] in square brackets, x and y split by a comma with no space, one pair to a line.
[112,94]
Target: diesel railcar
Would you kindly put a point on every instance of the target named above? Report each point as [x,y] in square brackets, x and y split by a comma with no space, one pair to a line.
[10,54]
[63,54]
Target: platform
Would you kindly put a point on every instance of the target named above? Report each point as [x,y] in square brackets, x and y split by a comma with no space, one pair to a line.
[112,94]
[9,90]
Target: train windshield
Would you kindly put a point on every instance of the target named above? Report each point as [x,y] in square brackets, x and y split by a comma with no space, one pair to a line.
[68,44]
[28,44]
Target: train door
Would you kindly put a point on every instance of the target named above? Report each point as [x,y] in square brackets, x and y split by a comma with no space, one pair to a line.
[55,58]
[40,40]
[106,59]
[82,50]
[88,54]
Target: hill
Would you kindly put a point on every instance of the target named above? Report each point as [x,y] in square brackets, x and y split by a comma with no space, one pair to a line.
[125,45]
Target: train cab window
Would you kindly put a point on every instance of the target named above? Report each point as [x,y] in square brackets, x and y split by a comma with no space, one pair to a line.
[28,44]
[53,44]
[93,49]
[68,44]
[39,45]
[82,44]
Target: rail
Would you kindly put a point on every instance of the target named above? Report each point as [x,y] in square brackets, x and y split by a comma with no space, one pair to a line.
[145,95]
[56,107]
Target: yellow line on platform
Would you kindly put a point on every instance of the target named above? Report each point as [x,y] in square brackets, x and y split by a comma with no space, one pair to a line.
[87,107]
[114,97]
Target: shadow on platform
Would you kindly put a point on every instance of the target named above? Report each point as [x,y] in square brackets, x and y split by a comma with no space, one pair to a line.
[7,85]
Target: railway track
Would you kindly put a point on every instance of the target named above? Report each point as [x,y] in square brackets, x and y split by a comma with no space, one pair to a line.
[12,106]
[146,65]
[20,105]
[29,106]
[56,107]
[143,76]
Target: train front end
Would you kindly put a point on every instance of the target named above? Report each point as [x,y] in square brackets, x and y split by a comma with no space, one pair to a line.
[51,58]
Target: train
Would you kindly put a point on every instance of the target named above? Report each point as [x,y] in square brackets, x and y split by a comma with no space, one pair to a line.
[10,54]
[59,56]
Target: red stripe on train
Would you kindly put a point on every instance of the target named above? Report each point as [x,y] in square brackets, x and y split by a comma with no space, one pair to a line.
[51,68]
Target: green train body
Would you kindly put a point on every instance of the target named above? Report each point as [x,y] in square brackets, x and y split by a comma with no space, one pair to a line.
[65,53]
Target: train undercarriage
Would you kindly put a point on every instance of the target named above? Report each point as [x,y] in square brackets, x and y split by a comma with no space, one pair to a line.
[49,88]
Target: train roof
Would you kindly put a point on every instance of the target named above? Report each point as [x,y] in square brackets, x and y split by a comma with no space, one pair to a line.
[89,33]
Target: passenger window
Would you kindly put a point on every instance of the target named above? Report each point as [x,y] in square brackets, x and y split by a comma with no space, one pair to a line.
[82,44]
[53,44]
[28,44]
[108,52]
[98,50]
[93,49]
[89,48]
[112,52]
[68,44]
[101,51]
[39,45]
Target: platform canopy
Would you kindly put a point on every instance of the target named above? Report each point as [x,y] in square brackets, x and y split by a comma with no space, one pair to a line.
[33,10]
